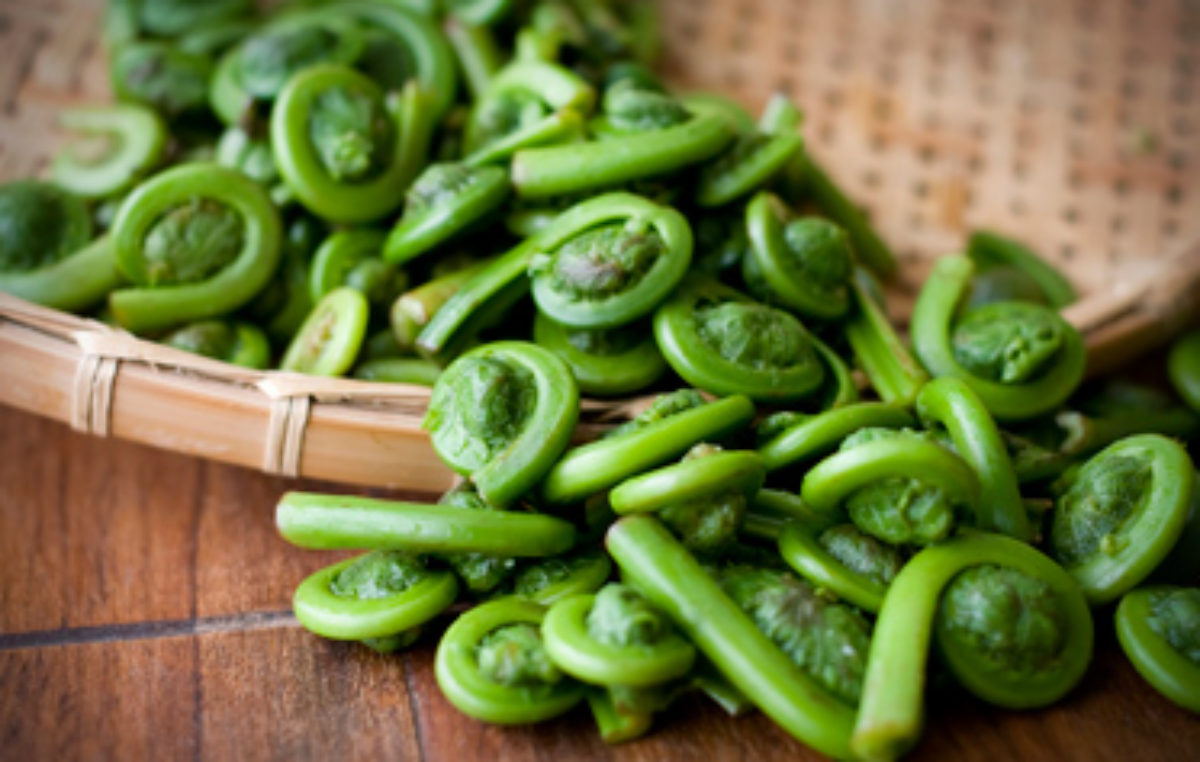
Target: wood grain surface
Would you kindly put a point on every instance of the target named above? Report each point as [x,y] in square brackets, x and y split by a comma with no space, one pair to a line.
[144,614]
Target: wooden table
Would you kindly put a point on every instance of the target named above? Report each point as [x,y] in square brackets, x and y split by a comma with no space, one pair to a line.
[144,614]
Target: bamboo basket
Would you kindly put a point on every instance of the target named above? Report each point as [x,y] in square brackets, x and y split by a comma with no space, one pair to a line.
[1072,125]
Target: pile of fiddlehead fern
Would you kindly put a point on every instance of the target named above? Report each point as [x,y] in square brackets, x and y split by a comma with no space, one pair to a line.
[500,200]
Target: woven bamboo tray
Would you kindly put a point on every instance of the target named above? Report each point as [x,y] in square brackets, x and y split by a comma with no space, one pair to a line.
[1073,125]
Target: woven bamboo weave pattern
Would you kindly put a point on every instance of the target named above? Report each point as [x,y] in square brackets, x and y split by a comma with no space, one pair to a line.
[1073,125]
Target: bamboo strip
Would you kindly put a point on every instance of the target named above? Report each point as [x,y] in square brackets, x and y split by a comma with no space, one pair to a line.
[108,382]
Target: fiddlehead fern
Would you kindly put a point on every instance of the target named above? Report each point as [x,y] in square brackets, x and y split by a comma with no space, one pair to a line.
[950,404]
[160,76]
[604,361]
[45,254]
[663,570]
[1012,625]
[557,170]
[120,143]
[325,522]
[351,257]
[753,159]
[896,485]
[843,559]
[806,437]
[261,64]
[615,637]
[502,415]
[703,498]
[804,265]
[1022,359]
[1119,515]
[719,340]
[1159,630]
[330,338]
[670,430]
[444,200]
[380,595]
[527,103]
[480,572]
[491,664]
[894,373]
[1008,269]
[549,580]
[197,241]
[346,151]
[623,258]
[171,18]
[828,641]
[621,217]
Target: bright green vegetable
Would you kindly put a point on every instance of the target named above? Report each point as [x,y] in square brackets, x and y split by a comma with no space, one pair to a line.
[399,370]
[804,265]
[309,520]
[1011,624]
[413,310]
[234,342]
[896,485]
[604,362]
[599,465]
[445,200]
[377,595]
[577,168]
[828,641]
[894,373]
[993,254]
[868,247]
[549,580]
[719,340]
[662,569]
[527,103]
[491,665]
[702,498]
[502,414]
[812,436]
[615,637]
[504,276]
[45,256]
[1159,630]
[197,241]
[1119,515]
[1022,359]
[842,559]
[479,572]
[350,257]
[160,76]
[171,18]
[347,151]
[331,336]
[751,161]
[478,53]
[1183,366]
[620,262]
[950,403]
[260,66]
[119,144]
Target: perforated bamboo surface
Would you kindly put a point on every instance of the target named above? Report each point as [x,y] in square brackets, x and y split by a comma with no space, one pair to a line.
[1073,125]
